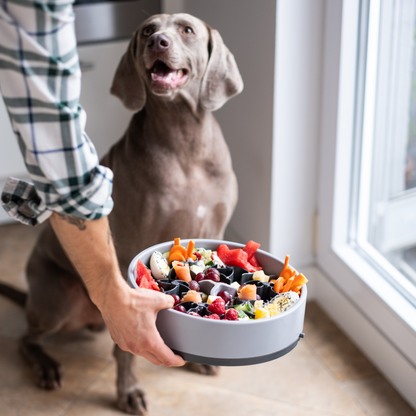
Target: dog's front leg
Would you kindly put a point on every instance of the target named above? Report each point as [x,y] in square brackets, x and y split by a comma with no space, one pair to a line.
[130,394]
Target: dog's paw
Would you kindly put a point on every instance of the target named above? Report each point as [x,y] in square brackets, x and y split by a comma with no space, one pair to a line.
[205,369]
[133,401]
[48,373]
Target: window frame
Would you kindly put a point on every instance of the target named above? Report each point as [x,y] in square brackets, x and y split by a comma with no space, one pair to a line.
[371,297]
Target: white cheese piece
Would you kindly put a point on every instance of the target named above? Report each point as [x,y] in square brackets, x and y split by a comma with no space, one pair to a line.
[159,265]
[260,275]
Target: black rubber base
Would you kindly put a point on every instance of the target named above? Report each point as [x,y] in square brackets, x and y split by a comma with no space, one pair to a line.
[232,362]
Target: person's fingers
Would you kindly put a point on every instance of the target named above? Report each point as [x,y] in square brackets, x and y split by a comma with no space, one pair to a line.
[164,354]
[163,301]
[150,357]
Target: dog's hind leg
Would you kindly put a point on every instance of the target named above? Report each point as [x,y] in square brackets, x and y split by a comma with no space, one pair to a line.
[57,301]
[130,394]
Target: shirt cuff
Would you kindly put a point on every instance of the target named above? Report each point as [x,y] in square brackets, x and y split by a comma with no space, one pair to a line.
[21,202]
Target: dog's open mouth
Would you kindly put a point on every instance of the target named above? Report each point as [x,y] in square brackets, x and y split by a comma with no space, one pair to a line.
[164,77]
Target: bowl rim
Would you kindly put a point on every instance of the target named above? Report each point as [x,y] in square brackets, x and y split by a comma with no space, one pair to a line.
[292,309]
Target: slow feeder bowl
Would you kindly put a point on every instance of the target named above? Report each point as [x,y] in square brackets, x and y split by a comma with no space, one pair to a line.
[226,343]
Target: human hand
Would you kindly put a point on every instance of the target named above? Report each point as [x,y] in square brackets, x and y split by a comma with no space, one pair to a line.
[130,316]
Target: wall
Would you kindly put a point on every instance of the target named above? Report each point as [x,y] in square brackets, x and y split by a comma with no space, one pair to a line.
[273,127]
[297,114]
[247,120]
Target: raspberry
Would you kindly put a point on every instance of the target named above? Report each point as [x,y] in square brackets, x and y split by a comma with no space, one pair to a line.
[213,316]
[218,306]
[231,315]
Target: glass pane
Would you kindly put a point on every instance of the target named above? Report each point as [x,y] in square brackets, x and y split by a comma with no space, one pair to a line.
[385,147]
[410,173]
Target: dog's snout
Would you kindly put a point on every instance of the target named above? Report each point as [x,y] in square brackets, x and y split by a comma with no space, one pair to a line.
[158,43]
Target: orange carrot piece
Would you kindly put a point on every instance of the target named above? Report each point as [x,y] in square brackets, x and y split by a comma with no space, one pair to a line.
[288,284]
[286,261]
[177,249]
[278,286]
[176,257]
[287,271]
[190,250]
[300,280]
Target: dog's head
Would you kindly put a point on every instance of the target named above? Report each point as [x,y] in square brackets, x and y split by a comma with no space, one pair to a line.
[176,54]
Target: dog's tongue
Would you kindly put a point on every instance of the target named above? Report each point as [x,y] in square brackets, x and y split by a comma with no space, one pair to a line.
[162,74]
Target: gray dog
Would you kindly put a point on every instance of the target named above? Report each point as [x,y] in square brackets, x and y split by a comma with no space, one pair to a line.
[173,177]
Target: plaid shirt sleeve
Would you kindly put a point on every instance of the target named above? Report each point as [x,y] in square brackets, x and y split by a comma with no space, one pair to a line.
[40,82]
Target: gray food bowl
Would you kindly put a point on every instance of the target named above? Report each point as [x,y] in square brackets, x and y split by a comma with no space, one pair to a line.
[227,343]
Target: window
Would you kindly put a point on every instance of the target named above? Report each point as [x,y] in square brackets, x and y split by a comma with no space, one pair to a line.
[367,203]
[384,217]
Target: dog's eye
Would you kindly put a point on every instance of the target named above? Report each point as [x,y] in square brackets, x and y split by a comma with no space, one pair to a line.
[147,31]
[187,31]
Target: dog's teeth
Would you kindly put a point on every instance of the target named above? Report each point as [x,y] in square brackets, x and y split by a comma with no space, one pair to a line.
[179,72]
[153,75]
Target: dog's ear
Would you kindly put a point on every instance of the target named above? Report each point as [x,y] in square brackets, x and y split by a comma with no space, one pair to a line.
[127,83]
[222,79]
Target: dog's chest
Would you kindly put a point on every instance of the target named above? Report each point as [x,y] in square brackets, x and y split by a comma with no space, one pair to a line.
[161,197]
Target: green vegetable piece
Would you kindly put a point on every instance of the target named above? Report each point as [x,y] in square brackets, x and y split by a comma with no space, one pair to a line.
[209,263]
[242,315]
[248,307]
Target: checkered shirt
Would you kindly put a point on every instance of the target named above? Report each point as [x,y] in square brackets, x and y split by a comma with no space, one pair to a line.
[40,82]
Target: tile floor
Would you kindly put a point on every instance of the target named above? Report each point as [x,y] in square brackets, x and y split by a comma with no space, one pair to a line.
[325,375]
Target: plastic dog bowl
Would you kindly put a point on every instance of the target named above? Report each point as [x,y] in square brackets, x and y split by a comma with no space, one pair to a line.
[226,343]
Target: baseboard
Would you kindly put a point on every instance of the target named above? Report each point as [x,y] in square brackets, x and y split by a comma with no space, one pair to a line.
[374,345]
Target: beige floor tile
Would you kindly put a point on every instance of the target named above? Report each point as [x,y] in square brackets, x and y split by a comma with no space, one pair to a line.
[377,397]
[324,375]
[338,353]
[170,392]
[18,394]
[296,378]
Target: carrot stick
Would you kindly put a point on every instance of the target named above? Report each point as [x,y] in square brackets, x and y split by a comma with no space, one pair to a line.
[287,271]
[190,250]
[278,286]
[288,284]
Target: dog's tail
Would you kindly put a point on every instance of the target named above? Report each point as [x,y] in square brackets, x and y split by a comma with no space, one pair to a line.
[14,294]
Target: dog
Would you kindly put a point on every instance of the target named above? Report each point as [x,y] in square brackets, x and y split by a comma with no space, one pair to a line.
[173,177]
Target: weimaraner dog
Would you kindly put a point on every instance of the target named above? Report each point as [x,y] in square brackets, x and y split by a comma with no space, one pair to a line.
[173,177]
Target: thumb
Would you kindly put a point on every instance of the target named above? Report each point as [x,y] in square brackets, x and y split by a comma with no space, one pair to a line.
[164,301]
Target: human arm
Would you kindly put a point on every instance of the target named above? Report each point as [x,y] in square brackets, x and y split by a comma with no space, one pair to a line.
[129,314]
[40,81]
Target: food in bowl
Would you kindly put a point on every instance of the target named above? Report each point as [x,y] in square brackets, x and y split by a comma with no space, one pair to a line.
[222,284]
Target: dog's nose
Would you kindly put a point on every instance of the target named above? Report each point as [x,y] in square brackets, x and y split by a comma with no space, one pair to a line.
[158,43]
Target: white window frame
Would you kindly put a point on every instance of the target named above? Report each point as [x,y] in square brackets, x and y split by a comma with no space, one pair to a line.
[366,305]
